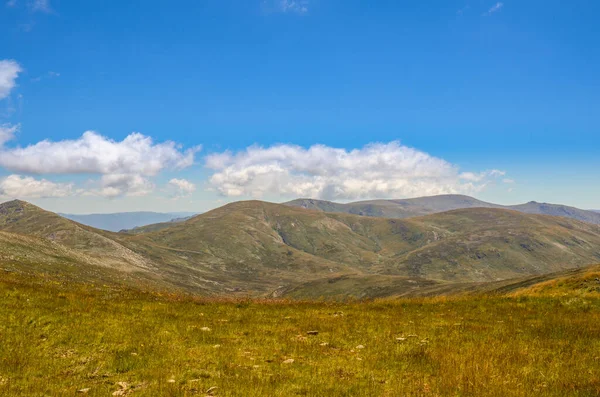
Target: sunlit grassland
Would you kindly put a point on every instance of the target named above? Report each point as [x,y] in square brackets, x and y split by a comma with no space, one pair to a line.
[58,338]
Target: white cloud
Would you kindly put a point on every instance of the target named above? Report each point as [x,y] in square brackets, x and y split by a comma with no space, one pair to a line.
[96,154]
[9,71]
[11,3]
[373,171]
[17,186]
[287,6]
[481,176]
[182,187]
[115,185]
[125,166]
[7,133]
[49,75]
[508,180]
[298,6]
[495,8]
[41,6]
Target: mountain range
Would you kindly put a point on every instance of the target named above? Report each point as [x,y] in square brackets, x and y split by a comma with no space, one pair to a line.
[126,220]
[254,248]
[406,208]
[403,208]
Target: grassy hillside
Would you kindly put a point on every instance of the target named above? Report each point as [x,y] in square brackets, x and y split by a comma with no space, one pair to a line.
[462,245]
[26,219]
[583,282]
[59,338]
[407,208]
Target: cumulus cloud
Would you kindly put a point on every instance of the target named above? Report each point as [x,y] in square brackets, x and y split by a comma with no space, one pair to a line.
[124,165]
[17,186]
[9,71]
[96,154]
[7,133]
[115,185]
[183,187]
[495,8]
[374,171]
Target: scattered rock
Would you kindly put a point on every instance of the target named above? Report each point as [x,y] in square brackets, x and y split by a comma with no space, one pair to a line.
[123,385]
[171,381]
[124,388]
[400,339]
[205,329]
[212,391]
[288,361]
[312,333]
[360,347]
[216,346]
[324,344]
[84,391]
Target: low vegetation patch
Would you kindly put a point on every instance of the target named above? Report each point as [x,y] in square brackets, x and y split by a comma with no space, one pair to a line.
[62,338]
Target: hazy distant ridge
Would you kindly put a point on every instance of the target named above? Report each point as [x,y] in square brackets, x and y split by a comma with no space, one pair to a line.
[125,220]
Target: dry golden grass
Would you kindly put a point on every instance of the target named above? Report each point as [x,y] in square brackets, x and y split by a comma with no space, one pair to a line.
[58,338]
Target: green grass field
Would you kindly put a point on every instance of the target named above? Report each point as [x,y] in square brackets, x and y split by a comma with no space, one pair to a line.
[58,338]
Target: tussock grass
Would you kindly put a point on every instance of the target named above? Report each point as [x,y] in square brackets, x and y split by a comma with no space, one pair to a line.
[58,337]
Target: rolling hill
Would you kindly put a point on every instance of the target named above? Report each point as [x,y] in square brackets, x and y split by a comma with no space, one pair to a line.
[254,248]
[407,208]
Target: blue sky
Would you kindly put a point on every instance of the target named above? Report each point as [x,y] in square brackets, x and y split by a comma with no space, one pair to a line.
[499,100]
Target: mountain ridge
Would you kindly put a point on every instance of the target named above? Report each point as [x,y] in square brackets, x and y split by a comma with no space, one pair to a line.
[406,208]
[255,248]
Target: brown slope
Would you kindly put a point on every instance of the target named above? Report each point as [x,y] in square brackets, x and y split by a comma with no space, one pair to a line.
[26,219]
[21,253]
